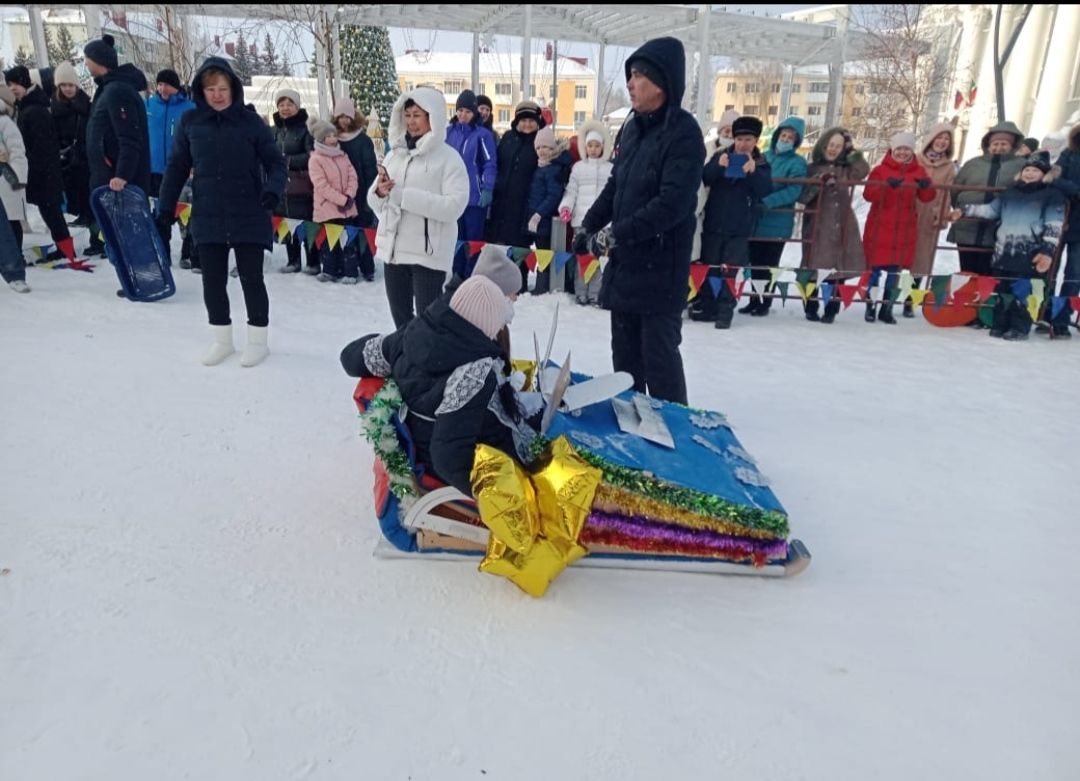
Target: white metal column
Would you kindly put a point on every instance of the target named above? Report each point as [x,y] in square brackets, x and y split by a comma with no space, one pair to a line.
[475,86]
[1054,89]
[835,105]
[705,74]
[601,83]
[785,92]
[338,87]
[37,33]
[1022,72]
[526,52]
[320,61]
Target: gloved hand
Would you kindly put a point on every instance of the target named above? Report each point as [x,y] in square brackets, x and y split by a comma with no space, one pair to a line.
[268,201]
[349,201]
[923,183]
[581,243]
[602,242]
[564,214]
[485,198]
[828,179]
[534,223]
[894,181]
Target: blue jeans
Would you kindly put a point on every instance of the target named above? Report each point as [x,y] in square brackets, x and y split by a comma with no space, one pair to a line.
[12,265]
[1070,285]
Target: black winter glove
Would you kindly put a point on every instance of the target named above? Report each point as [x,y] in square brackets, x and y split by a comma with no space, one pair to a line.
[923,183]
[581,243]
[268,201]
[602,242]
[894,181]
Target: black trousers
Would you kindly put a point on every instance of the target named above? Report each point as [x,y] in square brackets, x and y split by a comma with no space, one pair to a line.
[16,228]
[53,216]
[407,283]
[215,278]
[647,347]
[764,253]
[164,232]
[975,259]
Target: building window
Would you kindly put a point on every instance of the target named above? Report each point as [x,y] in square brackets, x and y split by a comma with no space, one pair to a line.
[480,89]
[796,89]
[752,88]
[453,87]
[774,89]
[532,90]
[774,110]
[793,111]
[503,88]
[732,87]
[856,111]
[750,111]
[504,115]
[860,89]
[579,117]
[819,86]
[813,111]
[581,92]
[729,107]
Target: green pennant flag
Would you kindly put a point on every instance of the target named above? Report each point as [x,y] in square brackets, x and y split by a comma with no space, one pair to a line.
[803,276]
[939,286]
[519,254]
[782,288]
[311,231]
[893,293]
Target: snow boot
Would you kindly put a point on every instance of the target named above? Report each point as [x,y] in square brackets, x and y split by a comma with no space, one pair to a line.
[1061,332]
[19,286]
[885,315]
[832,309]
[909,309]
[255,351]
[870,316]
[222,346]
[811,310]
[752,307]
[291,268]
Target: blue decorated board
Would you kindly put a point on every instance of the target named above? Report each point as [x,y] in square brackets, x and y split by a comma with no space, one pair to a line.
[132,243]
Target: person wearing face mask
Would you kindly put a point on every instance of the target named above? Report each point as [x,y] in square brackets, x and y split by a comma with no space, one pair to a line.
[420,193]
[720,143]
[936,157]
[893,188]
[830,232]
[517,162]
[774,226]
[1029,216]
[996,167]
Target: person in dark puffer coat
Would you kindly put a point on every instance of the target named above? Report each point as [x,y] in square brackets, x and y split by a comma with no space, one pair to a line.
[453,377]
[239,176]
[1068,181]
[71,111]
[476,145]
[645,220]
[355,143]
[296,143]
[553,163]
[517,163]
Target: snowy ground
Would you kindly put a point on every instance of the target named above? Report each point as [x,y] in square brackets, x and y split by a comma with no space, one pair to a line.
[187,588]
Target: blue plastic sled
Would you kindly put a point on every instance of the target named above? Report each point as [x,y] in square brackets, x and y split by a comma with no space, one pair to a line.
[132,243]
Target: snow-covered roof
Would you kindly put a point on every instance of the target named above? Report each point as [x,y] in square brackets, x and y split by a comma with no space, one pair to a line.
[492,64]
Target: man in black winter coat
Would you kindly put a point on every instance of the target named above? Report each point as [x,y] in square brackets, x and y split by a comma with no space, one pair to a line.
[45,185]
[644,222]
[117,140]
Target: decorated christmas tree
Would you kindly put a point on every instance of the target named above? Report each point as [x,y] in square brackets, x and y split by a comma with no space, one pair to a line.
[367,63]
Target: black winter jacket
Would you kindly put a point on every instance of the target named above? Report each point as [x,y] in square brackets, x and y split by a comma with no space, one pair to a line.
[1068,181]
[235,161]
[295,142]
[733,204]
[70,118]
[117,143]
[448,373]
[651,196]
[361,152]
[45,183]
[510,201]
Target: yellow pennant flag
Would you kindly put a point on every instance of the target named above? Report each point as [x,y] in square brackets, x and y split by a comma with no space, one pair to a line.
[907,282]
[185,215]
[282,230]
[544,258]
[1033,305]
[806,291]
[333,234]
[590,270]
[917,296]
[774,274]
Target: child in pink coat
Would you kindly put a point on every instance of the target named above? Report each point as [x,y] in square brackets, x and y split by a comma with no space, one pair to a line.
[334,181]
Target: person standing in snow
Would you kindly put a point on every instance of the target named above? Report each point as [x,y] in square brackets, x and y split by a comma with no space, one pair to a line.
[335,186]
[936,158]
[164,108]
[239,177]
[1068,181]
[45,181]
[486,110]
[516,166]
[355,143]
[587,180]
[295,143]
[12,267]
[14,168]
[420,193]
[71,111]
[545,193]
[644,222]
[476,145]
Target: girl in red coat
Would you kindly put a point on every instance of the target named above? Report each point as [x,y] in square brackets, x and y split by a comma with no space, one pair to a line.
[891,227]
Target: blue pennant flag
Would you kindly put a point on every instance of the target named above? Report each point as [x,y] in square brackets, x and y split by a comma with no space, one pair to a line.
[826,291]
[1022,289]
[560,260]
[747,273]
[1056,305]
[716,283]
[874,277]
[352,232]
[300,234]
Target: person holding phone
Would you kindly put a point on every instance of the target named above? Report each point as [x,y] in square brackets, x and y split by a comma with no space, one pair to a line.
[738,180]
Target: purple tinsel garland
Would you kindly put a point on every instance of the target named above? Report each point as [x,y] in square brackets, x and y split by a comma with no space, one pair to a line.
[664,535]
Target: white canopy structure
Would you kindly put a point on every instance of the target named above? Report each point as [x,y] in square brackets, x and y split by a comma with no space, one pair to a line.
[702,28]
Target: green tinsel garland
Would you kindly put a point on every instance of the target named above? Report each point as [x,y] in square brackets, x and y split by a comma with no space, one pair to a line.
[380,432]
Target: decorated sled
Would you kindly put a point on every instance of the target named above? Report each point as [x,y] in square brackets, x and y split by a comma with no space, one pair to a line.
[629,482]
[133,243]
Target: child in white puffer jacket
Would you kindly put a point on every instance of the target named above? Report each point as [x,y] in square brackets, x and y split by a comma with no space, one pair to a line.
[587,180]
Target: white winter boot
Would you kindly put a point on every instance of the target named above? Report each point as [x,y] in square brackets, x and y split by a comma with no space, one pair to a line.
[222,346]
[255,351]
[19,286]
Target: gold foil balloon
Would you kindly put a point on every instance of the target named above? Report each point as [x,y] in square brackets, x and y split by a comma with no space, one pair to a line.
[565,487]
[505,498]
[532,572]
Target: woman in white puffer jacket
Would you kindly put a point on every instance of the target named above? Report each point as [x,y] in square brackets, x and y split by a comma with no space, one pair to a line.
[587,180]
[421,191]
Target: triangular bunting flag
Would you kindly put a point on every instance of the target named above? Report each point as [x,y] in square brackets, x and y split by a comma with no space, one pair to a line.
[847,294]
[320,235]
[180,206]
[803,275]
[1033,304]
[275,222]
[1021,288]
[519,254]
[826,291]
[1038,289]
[282,230]
[783,288]
[561,259]
[351,232]
[715,283]
[774,274]
[1056,305]
[592,265]
[907,282]
[806,290]
[530,260]
[747,272]
[939,286]
[917,296]
[986,285]
[185,215]
[333,233]
[370,234]
[475,247]
[698,272]
[544,258]
[1074,301]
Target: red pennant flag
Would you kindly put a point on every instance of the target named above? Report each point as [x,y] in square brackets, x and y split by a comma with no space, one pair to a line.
[475,247]
[179,208]
[320,237]
[369,234]
[986,287]
[530,261]
[275,222]
[958,101]
[583,262]
[847,294]
[1075,301]
[698,272]
[864,284]
[964,295]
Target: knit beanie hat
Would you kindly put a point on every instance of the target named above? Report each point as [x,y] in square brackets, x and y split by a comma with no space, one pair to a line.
[481,302]
[484,100]
[594,135]
[102,52]
[650,71]
[20,75]
[1031,143]
[291,94]
[344,106]
[1040,160]
[527,109]
[65,74]
[496,265]
[466,100]
[902,139]
[545,136]
[727,119]
[168,76]
[746,126]
[320,129]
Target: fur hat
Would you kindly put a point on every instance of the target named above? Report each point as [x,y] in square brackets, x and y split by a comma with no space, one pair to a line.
[102,52]
[65,74]
[20,75]
[291,94]
[1040,160]
[594,135]
[496,265]
[746,126]
[320,129]
[727,119]
[545,137]
[344,107]
[902,139]
[481,302]
[467,100]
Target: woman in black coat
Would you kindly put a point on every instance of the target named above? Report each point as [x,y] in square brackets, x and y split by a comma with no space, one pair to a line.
[295,142]
[239,176]
[70,111]
[355,143]
[517,163]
